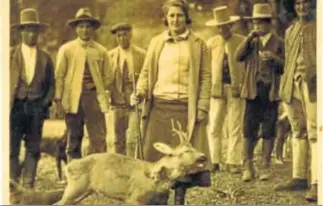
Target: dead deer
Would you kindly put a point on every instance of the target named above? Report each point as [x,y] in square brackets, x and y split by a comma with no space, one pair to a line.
[131,180]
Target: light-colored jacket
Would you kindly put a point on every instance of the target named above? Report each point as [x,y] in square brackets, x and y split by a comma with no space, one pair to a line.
[199,85]
[70,69]
[138,57]
[216,45]
[291,54]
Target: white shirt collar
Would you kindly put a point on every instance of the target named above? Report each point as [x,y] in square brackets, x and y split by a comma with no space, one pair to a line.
[182,36]
[264,39]
[125,50]
[27,47]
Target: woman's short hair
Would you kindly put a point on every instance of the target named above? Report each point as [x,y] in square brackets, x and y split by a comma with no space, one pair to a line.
[177,3]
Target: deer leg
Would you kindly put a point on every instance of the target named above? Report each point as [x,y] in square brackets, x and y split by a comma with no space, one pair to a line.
[82,197]
[75,190]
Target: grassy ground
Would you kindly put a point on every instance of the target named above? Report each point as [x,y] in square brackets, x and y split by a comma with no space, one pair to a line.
[225,189]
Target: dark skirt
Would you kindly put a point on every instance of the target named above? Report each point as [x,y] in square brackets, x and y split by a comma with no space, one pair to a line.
[159,129]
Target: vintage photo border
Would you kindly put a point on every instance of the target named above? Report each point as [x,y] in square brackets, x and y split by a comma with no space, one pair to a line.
[4,100]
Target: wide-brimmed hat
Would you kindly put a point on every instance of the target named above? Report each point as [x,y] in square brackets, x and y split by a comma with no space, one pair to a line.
[84,14]
[29,17]
[221,16]
[120,26]
[261,11]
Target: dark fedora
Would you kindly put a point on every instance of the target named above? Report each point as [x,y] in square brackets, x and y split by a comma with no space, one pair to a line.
[29,17]
[84,14]
[120,27]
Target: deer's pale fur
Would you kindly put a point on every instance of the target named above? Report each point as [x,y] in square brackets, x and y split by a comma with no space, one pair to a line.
[130,180]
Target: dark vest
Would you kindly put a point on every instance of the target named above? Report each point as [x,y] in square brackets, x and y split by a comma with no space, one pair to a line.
[123,97]
[88,83]
[35,90]
[263,70]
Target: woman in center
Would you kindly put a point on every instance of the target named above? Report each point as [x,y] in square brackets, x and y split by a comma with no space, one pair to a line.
[175,82]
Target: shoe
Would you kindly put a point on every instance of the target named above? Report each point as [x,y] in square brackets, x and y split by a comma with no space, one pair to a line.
[248,168]
[30,170]
[216,168]
[234,169]
[267,146]
[248,172]
[264,175]
[311,195]
[293,185]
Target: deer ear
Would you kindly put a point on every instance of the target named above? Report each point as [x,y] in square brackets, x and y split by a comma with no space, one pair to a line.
[163,148]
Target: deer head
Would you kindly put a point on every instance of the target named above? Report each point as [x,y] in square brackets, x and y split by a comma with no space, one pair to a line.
[181,160]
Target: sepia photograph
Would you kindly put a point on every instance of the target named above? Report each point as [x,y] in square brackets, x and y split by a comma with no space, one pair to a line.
[162,102]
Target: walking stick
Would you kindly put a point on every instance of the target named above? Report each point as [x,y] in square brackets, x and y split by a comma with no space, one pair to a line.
[140,141]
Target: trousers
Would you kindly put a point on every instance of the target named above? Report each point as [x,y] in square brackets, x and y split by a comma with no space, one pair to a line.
[89,113]
[125,131]
[230,109]
[302,113]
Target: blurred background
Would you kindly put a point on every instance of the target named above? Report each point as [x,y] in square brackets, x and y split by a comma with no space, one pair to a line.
[145,16]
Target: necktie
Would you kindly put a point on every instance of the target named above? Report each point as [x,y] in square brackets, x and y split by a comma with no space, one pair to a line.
[124,75]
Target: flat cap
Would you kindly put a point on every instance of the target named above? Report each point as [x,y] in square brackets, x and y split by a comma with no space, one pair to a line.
[120,26]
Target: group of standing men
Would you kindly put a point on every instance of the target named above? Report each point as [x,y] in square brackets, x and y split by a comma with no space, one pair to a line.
[256,75]
[250,75]
[88,81]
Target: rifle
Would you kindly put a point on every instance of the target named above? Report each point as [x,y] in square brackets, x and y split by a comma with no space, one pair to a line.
[140,140]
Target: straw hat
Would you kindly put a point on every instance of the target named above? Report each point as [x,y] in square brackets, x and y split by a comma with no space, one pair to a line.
[261,11]
[221,17]
[84,14]
[29,17]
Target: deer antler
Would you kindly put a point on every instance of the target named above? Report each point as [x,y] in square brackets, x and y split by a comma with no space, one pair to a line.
[181,134]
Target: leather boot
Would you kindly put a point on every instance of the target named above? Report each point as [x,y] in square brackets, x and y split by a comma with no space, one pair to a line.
[15,170]
[15,193]
[268,145]
[292,185]
[248,168]
[30,169]
[180,193]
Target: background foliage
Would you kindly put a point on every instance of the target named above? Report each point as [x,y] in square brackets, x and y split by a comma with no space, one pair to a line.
[145,15]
